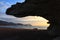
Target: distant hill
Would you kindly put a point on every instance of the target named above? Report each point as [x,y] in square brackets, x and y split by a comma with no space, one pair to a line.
[7,23]
[4,23]
[27,25]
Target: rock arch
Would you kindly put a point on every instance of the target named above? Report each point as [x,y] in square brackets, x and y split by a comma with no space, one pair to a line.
[48,9]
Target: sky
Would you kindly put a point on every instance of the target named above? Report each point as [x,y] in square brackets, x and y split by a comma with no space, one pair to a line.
[33,20]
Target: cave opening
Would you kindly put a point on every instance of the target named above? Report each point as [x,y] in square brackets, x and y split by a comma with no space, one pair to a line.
[28,10]
[37,22]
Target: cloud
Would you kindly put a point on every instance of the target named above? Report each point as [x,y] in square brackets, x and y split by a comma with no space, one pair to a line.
[4,5]
[9,18]
[24,20]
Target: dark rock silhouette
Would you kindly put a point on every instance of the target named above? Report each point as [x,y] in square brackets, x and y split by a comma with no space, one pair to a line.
[49,9]
[23,34]
[57,38]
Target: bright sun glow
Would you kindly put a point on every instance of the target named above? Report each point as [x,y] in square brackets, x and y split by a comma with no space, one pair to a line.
[35,21]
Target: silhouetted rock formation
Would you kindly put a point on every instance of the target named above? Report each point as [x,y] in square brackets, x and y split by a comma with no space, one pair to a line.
[49,9]
[23,34]
[57,38]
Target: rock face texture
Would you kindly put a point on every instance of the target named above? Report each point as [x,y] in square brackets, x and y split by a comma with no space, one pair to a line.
[49,9]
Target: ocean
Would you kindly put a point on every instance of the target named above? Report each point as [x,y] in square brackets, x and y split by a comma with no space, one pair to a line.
[25,27]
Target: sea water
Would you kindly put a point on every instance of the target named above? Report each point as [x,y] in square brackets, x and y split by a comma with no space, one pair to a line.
[25,27]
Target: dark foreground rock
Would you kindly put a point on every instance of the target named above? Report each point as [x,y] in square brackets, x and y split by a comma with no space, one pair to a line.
[24,34]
